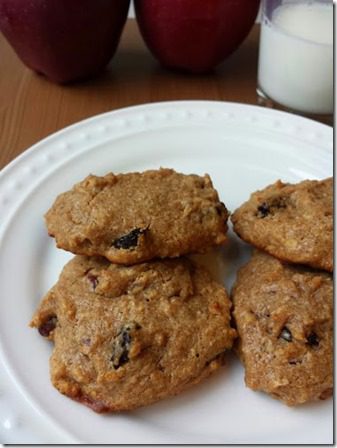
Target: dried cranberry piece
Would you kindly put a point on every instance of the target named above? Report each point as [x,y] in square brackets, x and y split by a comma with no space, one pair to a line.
[263,210]
[86,341]
[313,339]
[93,280]
[121,345]
[270,207]
[120,349]
[48,326]
[286,334]
[96,405]
[129,240]
[294,362]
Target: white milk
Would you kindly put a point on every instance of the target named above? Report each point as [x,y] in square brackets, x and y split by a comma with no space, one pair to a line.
[296,57]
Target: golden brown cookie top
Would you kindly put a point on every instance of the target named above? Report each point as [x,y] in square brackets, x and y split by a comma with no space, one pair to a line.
[293,222]
[134,217]
[284,319]
[129,336]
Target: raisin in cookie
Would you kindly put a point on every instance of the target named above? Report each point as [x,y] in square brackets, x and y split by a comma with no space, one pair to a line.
[129,336]
[129,218]
[283,315]
[292,222]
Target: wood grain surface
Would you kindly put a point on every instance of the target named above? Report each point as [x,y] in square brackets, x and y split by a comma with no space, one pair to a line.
[31,107]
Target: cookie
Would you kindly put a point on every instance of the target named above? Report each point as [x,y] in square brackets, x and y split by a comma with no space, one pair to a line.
[283,315]
[129,218]
[292,222]
[127,336]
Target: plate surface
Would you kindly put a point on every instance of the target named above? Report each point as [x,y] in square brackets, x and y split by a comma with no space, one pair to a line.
[243,148]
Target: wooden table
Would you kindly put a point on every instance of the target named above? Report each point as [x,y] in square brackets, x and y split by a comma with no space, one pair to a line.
[31,107]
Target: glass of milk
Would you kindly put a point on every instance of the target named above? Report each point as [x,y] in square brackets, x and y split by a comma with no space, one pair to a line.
[296,55]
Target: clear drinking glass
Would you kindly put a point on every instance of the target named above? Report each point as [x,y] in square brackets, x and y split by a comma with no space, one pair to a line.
[295,69]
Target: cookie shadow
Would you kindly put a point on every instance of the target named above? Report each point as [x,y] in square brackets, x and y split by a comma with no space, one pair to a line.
[224,262]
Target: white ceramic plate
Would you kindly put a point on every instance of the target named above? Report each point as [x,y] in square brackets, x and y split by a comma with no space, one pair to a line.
[243,148]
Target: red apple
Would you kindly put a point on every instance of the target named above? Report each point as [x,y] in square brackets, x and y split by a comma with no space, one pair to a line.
[64,39]
[194,35]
